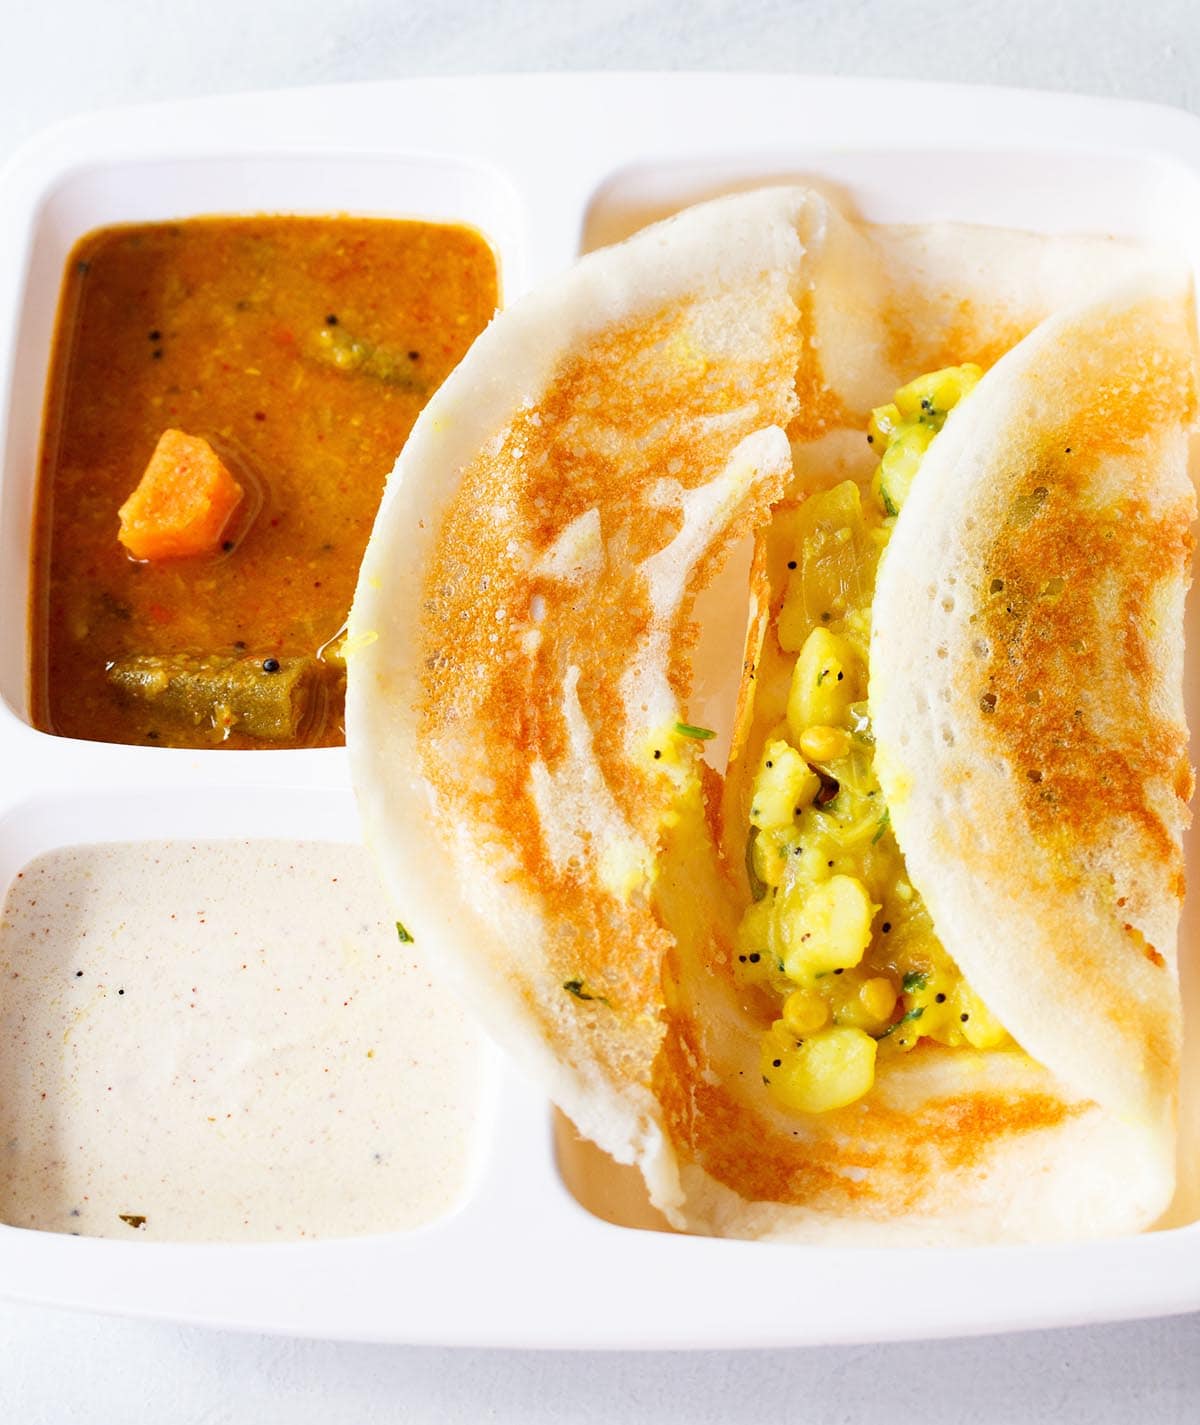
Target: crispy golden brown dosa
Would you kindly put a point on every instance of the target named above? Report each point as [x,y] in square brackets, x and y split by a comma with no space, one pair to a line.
[1027,692]
[520,653]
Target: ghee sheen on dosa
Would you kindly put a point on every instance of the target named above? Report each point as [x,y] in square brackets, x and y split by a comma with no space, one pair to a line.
[520,665]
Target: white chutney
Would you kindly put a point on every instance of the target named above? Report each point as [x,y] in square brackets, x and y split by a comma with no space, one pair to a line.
[225,1041]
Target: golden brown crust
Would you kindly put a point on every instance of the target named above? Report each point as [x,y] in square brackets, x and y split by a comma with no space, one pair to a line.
[972,333]
[870,1158]
[1072,581]
[1030,726]
[616,420]
[551,469]
[1055,658]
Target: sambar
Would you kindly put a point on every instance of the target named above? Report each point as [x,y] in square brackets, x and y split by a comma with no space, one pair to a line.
[301,350]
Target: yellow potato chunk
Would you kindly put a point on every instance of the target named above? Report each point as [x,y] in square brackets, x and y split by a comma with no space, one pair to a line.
[937,392]
[785,784]
[908,426]
[828,1070]
[980,1028]
[772,851]
[834,565]
[821,857]
[829,929]
[883,421]
[824,683]
[754,960]
[900,464]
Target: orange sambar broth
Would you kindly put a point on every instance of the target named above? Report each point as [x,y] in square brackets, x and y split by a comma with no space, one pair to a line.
[232,329]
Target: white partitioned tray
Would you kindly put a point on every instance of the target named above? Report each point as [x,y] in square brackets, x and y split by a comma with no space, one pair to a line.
[549,1246]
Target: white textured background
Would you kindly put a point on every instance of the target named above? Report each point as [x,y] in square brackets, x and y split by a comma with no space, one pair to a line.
[64,56]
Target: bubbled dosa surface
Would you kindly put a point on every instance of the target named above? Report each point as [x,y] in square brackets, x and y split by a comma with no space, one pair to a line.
[1030,724]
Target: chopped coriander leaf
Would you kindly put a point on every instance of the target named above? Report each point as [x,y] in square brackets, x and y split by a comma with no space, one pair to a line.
[405,937]
[904,1019]
[914,980]
[883,825]
[686,729]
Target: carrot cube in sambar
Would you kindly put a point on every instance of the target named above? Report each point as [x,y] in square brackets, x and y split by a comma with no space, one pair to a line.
[182,503]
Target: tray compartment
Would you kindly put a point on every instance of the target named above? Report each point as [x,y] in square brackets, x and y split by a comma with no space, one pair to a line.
[1068,190]
[437,190]
[209,1037]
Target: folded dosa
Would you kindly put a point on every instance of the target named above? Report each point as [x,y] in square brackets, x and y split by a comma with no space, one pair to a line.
[520,656]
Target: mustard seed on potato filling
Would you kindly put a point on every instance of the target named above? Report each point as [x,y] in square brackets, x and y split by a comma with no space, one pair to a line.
[836,931]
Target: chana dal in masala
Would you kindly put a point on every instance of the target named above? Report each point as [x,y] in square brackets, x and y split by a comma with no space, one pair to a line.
[903,967]
[227,396]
